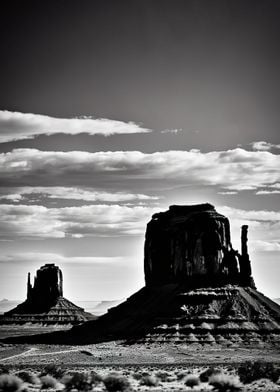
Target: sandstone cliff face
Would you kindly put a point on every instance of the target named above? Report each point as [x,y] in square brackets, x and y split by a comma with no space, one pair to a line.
[189,244]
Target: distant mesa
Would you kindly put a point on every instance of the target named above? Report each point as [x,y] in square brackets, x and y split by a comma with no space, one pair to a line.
[103,306]
[45,302]
[199,290]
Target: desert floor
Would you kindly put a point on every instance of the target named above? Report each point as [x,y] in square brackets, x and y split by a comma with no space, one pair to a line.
[172,361]
[144,359]
[119,354]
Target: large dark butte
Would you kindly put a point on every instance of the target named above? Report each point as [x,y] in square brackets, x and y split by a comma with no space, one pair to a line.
[198,290]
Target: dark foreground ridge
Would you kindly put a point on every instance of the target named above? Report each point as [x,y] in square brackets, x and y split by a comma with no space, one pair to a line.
[45,302]
[198,290]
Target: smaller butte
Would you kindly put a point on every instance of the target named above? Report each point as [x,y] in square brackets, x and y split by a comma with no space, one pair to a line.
[45,302]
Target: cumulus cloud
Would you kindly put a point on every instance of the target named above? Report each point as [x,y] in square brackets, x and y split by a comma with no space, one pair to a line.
[33,221]
[231,170]
[71,193]
[18,126]
[264,146]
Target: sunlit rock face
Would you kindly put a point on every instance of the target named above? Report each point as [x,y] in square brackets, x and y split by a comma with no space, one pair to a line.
[190,244]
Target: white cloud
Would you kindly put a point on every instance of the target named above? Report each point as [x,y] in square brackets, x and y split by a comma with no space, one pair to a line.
[14,197]
[266,246]
[228,193]
[21,221]
[250,215]
[264,146]
[33,221]
[264,227]
[271,189]
[267,192]
[34,257]
[71,193]
[17,126]
[174,131]
[231,170]
[276,186]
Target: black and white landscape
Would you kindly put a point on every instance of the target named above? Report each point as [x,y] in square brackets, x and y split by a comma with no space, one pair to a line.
[110,112]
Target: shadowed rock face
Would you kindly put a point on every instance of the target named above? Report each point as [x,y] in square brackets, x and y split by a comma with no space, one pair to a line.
[47,286]
[45,302]
[191,244]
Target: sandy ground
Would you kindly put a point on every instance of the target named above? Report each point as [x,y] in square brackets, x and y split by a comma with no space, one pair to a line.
[170,362]
[120,354]
[29,329]
[128,360]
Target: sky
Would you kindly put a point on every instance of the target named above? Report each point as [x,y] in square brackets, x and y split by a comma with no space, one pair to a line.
[113,110]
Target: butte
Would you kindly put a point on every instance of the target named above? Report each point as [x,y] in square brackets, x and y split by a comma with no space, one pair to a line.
[45,302]
[198,290]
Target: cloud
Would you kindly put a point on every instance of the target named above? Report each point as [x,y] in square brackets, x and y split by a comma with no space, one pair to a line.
[18,126]
[174,131]
[228,193]
[34,257]
[13,197]
[250,215]
[264,146]
[39,222]
[276,186]
[231,170]
[268,192]
[70,193]
[266,246]
[271,189]
[33,221]
[264,227]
